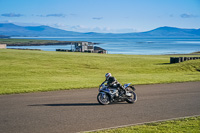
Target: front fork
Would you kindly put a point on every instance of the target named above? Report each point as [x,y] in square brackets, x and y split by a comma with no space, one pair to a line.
[110,95]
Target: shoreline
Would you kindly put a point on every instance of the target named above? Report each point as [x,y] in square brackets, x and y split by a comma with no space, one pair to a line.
[36,42]
[119,46]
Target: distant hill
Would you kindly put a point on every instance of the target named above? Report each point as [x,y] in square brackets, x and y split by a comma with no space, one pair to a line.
[10,29]
[172,31]
[3,36]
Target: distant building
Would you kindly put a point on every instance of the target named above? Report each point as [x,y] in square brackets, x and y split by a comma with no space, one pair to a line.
[83,47]
[3,46]
[88,47]
[99,50]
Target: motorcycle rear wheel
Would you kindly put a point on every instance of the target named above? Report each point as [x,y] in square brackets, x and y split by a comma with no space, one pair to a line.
[132,98]
[103,98]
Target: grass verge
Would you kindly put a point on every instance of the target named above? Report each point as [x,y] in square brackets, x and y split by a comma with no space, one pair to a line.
[186,125]
[30,71]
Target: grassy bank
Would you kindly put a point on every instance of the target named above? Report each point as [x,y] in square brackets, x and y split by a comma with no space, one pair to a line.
[187,125]
[30,71]
[32,42]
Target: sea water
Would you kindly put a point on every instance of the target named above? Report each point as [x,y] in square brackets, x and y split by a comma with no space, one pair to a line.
[136,46]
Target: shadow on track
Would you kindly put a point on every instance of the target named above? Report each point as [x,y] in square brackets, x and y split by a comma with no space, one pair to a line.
[68,104]
[75,104]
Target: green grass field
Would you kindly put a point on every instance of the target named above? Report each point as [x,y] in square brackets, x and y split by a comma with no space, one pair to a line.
[30,71]
[186,125]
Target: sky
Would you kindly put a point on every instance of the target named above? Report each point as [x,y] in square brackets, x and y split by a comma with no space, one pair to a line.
[104,16]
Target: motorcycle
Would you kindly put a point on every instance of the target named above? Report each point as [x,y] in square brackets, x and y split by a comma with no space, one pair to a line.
[108,95]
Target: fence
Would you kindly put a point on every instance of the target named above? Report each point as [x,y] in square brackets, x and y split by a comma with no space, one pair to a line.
[181,59]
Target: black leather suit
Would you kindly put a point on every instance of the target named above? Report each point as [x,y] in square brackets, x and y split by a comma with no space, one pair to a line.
[112,82]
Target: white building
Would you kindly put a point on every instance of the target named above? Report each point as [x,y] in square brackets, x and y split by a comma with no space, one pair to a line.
[3,46]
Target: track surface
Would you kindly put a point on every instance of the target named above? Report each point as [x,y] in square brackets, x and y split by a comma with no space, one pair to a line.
[78,110]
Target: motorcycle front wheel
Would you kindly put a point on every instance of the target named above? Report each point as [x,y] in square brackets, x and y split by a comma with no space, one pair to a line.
[103,98]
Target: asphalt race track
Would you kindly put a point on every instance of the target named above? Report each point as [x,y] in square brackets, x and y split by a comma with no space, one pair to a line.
[78,110]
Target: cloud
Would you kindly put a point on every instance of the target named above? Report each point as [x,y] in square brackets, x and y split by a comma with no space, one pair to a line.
[56,15]
[6,21]
[11,15]
[51,15]
[83,28]
[97,18]
[73,14]
[37,15]
[186,15]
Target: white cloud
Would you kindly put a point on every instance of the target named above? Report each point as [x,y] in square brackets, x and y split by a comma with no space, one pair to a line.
[6,21]
[51,15]
[56,15]
[82,28]
[97,18]
[187,15]
[12,15]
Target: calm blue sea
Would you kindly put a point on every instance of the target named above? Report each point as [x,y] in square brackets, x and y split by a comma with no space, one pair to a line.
[137,46]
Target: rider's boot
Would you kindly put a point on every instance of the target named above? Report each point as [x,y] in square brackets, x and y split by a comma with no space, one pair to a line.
[126,93]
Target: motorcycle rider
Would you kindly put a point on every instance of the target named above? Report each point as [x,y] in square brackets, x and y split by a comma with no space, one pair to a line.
[112,82]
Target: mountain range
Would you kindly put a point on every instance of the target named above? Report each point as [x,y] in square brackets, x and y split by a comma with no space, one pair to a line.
[10,29]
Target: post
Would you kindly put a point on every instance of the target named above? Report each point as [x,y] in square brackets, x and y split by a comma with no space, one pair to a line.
[172,60]
[185,58]
[181,59]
